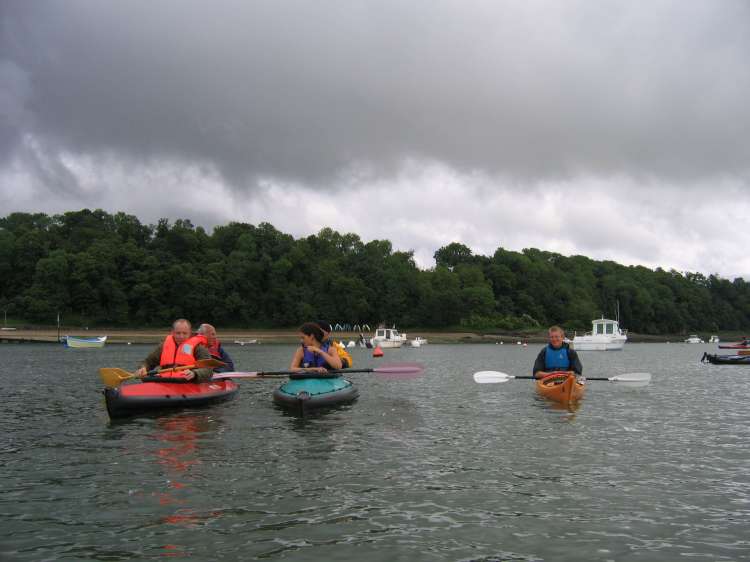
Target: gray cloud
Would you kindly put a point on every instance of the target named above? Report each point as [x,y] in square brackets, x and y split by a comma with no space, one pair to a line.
[302,90]
[121,104]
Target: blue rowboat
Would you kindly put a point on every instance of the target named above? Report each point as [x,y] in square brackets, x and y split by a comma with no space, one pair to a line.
[76,342]
[305,392]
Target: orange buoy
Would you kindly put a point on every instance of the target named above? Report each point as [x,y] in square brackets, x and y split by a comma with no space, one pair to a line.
[377,352]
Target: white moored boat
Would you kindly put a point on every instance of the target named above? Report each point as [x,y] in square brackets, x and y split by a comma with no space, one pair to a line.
[76,342]
[713,339]
[694,339]
[605,335]
[388,337]
[418,342]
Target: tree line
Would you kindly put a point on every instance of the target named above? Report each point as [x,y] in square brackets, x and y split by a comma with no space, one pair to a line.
[96,268]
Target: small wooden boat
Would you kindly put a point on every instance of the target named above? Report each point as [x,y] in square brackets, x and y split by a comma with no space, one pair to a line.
[726,359]
[76,342]
[561,387]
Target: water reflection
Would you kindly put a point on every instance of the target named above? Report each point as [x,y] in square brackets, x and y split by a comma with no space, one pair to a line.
[180,440]
[569,407]
[436,469]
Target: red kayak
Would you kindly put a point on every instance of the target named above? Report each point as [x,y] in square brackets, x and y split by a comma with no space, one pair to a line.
[744,344]
[130,399]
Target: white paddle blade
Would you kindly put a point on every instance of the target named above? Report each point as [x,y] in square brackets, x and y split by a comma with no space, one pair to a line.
[633,379]
[491,377]
[234,375]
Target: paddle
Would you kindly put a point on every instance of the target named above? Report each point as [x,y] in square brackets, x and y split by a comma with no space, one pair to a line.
[113,377]
[631,379]
[391,371]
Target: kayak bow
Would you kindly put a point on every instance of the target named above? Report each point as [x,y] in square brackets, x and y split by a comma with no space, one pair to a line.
[560,387]
[309,392]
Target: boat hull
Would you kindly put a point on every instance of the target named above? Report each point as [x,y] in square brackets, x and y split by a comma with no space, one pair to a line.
[382,343]
[82,343]
[304,393]
[131,399]
[726,359]
[582,343]
[560,387]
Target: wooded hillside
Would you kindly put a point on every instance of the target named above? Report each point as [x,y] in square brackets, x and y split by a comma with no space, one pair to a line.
[97,268]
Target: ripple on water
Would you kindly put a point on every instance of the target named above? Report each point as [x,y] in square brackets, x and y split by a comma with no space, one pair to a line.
[437,468]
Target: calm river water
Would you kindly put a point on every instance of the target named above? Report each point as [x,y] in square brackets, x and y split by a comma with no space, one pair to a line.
[437,468]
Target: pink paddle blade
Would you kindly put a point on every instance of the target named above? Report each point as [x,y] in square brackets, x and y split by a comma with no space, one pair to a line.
[400,370]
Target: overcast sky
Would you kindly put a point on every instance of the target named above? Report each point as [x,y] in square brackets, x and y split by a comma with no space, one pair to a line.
[614,129]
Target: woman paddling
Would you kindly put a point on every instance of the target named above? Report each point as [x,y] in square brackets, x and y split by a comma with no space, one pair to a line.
[314,354]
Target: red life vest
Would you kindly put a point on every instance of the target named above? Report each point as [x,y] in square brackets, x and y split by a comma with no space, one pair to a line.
[172,356]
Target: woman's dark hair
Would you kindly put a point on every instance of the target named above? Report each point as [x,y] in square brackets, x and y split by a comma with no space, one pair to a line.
[312,329]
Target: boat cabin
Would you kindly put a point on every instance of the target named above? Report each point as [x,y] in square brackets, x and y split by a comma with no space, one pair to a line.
[387,334]
[605,327]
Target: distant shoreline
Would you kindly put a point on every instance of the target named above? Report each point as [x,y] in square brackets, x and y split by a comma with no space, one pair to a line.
[289,336]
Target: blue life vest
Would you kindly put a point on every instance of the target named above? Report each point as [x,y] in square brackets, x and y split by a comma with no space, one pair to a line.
[556,359]
[310,359]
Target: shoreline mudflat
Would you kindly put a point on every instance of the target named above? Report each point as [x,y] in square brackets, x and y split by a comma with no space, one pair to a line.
[230,336]
[284,336]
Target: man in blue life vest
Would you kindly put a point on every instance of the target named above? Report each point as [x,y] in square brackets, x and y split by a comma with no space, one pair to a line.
[556,356]
[178,348]
[215,348]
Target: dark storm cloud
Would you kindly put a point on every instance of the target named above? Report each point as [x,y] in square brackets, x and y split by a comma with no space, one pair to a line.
[311,91]
[614,129]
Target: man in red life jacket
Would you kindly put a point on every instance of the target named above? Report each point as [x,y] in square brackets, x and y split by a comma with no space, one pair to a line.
[214,347]
[179,348]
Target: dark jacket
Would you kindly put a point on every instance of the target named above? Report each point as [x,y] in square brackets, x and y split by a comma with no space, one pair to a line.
[575,362]
[224,356]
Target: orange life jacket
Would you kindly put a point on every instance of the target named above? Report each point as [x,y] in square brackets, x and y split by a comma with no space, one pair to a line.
[172,355]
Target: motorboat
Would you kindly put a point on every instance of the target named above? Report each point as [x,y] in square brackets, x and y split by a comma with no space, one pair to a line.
[418,342]
[693,339]
[605,335]
[713,339]
[388,337]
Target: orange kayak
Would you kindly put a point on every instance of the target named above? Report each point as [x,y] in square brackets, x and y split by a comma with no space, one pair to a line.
[560,387]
